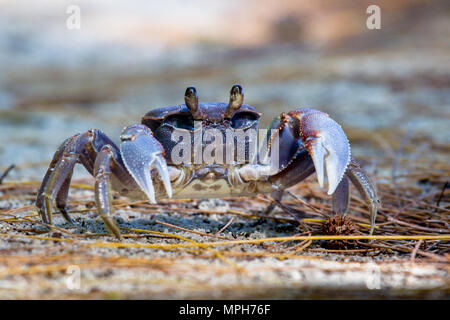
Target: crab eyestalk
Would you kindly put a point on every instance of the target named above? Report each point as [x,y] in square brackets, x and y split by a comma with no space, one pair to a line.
[236,100]
[191,101]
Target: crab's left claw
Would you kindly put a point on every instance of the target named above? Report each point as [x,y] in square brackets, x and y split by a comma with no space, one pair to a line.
[142,153]
[326,143]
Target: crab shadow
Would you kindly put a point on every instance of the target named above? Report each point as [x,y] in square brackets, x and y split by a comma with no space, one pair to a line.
[204,223]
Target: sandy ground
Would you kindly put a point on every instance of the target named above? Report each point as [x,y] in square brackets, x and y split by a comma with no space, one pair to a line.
[386,89]
[85,268]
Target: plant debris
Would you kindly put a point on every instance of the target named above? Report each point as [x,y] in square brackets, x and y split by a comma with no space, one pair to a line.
[339,225]
[413,226]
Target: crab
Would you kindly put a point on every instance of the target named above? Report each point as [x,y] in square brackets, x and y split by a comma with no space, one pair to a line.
[147,163]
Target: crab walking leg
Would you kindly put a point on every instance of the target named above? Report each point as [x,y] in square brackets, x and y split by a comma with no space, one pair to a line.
[80,148]
[56,158]
[276,196]
[58,172]
[61,199]
[97,139]
[341,197]
[102,174]
[366,188]
[45,187]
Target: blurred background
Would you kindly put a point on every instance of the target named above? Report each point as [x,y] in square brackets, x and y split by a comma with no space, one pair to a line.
[389,88]
[129,57]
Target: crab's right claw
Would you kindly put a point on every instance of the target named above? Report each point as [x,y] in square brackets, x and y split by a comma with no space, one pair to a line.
[141,154]
[326,143]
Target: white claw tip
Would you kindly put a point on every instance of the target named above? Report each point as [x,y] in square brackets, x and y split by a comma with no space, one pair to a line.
[329,150]
[169,192]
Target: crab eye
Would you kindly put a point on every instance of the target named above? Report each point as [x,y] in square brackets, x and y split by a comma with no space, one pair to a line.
[180,121]
[243,120]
